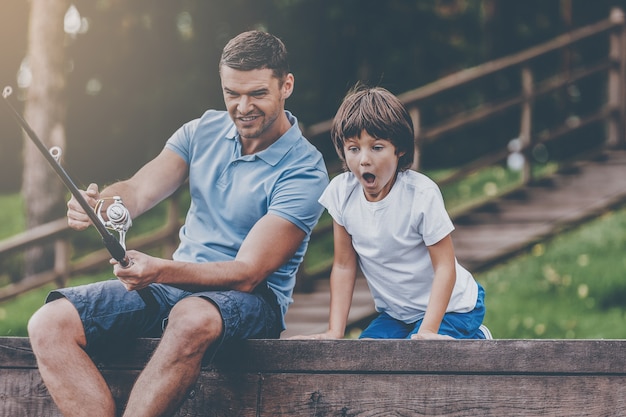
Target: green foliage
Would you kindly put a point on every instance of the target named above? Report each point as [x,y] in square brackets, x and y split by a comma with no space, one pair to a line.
[12,222]
[11,218]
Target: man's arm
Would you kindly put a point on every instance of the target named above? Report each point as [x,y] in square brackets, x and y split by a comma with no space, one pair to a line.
[270,243]
[155,181]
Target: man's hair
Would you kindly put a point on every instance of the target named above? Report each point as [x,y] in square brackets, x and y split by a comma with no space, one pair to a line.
[256,50]
[379,113]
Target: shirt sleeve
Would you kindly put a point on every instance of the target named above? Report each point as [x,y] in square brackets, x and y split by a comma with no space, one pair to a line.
[436,223]
[295,197]
[331,198]
[180,141]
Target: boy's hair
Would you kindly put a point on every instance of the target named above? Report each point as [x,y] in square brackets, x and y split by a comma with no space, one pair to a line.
[381,115]
[256,50]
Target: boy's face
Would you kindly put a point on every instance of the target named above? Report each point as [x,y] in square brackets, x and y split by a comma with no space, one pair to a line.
[255,100]
[374,162]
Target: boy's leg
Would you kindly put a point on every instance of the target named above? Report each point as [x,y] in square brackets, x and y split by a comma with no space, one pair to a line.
[464,325]
[386,327]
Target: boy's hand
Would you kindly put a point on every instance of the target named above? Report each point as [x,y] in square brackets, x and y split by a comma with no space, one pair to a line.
[428,335]
[318,336]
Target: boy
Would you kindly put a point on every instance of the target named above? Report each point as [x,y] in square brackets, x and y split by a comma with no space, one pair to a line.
[392,222]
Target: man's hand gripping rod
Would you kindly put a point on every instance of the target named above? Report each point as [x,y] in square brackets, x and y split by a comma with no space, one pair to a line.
[119,218]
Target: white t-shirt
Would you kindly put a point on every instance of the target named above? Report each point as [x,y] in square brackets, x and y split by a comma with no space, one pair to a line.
[391,238]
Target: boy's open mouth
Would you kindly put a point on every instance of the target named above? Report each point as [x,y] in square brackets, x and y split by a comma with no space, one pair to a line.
[369,178]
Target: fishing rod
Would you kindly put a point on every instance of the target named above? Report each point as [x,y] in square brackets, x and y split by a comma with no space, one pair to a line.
[117,213]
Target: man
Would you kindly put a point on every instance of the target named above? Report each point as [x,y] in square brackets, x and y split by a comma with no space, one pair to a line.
[254,184]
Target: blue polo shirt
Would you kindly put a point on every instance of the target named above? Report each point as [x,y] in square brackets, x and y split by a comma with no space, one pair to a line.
[230,192]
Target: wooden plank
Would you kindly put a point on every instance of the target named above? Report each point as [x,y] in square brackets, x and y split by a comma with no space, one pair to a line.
[441,395]
[22,394]
[365,378]
[305,394]
[444,356]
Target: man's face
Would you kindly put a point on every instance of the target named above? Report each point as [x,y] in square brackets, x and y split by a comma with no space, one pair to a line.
[255,99]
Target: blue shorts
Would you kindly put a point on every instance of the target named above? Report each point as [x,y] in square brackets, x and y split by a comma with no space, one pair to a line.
[112,315]
[457,325]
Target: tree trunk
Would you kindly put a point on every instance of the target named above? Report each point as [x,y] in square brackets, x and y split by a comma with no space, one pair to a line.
[45,109]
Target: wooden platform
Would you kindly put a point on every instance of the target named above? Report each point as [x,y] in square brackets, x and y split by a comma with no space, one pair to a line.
[294,378]
[497,230]
[501,228]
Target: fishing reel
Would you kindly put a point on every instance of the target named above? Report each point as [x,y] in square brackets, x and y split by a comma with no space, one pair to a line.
[118,217]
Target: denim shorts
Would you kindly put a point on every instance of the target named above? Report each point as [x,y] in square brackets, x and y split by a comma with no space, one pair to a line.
[457,325]
[112,315]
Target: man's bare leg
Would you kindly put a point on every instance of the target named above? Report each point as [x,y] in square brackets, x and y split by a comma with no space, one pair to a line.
[194,324]
[73,380]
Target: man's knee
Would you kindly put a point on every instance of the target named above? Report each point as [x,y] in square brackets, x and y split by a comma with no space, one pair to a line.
[196,317]
[56,321]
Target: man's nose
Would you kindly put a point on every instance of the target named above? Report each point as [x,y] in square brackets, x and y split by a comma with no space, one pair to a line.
[243,105]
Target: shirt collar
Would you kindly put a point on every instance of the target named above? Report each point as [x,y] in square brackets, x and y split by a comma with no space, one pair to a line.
[276,151]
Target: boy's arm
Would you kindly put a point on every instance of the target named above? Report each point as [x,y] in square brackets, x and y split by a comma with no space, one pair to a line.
[442,257]
[342,279]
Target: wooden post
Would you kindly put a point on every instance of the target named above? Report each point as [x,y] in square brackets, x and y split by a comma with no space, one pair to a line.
[414,112]
[61,261]
[616,89]
[525,135]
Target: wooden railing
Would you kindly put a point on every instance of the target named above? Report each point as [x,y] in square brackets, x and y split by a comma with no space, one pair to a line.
[57,231]
[611,113]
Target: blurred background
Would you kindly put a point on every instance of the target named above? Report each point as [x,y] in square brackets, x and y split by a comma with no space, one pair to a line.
[134,71]
[138,69]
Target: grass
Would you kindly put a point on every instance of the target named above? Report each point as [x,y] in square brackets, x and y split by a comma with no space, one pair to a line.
[572,286]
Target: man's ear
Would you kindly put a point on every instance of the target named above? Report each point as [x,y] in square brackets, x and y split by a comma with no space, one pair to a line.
[288,84]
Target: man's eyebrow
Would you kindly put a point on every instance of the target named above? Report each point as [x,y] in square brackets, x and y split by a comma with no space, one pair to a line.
[262,90]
